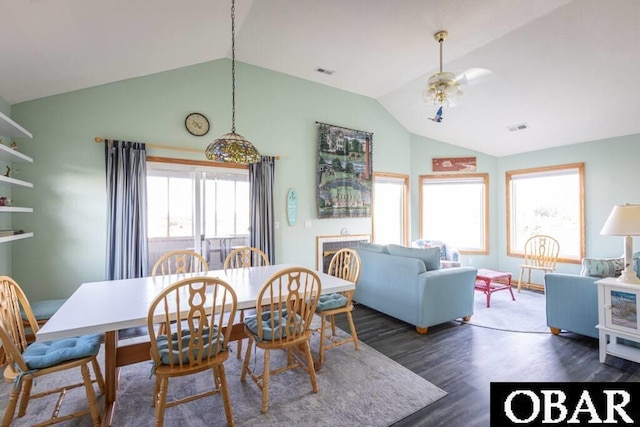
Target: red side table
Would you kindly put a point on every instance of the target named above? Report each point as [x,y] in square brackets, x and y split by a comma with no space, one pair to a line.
[487,282]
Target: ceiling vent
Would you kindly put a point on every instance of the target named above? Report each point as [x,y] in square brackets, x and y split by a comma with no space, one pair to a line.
[521,126]
[325,71]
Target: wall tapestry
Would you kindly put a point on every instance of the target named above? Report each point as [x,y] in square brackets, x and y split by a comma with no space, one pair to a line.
[344,172]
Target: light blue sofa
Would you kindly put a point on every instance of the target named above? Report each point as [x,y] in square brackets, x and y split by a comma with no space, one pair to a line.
[572,300]
[572,303]
[412,289]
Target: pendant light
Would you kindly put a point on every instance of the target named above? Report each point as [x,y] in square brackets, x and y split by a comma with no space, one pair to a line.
[232,147]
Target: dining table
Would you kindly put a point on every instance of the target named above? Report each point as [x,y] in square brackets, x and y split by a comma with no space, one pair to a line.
[110,306]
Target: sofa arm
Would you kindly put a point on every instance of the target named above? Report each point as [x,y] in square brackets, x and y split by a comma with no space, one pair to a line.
[446,294]
[572,303]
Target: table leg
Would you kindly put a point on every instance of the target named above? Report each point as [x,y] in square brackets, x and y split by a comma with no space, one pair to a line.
[110,376]
[488,292]
[511,290]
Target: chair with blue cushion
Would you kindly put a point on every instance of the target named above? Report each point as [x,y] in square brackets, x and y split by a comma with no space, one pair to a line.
[180,262]
[344,264]
[200,312]
[27,362]
[244,257]
[284,311]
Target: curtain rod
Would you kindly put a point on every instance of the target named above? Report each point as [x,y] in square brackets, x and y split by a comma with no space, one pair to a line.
[100,139]
[342,127]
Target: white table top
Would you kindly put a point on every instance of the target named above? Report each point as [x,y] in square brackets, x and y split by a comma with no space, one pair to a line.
[98,307]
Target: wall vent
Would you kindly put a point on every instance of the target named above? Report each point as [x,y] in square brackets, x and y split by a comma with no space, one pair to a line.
[521,126]
[325,71]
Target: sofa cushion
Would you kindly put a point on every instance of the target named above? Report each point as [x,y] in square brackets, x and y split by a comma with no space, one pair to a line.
[373,247]
[430,256]
[602,267]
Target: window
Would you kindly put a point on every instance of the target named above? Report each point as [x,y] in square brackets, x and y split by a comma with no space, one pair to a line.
[548,201]
[171,195]
[390,208]
[455,210]
[193,205]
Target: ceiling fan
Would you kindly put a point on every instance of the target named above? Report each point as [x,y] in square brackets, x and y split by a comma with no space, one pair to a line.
[443,88]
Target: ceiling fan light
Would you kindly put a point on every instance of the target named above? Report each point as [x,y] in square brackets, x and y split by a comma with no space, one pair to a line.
[442,89]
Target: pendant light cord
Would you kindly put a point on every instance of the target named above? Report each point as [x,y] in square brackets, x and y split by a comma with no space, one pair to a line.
[233,66]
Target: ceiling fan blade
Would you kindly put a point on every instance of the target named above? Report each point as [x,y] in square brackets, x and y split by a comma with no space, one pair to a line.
[472,75]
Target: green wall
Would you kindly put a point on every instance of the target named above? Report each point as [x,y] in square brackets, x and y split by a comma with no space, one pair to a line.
[277,113]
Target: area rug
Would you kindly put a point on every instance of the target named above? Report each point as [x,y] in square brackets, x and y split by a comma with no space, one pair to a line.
[355,388]
[526,314]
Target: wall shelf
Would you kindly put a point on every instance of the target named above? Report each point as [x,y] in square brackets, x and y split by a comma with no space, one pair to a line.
[15,209]
[7,180]
[9,128]
[8,154]
[15,237]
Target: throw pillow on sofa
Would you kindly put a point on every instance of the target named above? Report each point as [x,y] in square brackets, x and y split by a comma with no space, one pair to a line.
[430,256]
[602,267]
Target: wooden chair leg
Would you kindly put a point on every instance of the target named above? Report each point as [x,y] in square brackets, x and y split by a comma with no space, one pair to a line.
[91,395]
[265,382]
[245,365]
[239,355]
[321,350]
[11,406]
[352,326]
[98,373]
[27,382]
[224,390]
[162,401]
[520,279]
[310,368]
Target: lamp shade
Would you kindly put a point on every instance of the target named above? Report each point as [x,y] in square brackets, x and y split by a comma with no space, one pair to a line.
[624,220]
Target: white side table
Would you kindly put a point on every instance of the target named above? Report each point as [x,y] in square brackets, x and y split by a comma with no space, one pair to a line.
[618,318]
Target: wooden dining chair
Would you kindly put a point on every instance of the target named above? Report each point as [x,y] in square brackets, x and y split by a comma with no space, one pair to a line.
[284,311]
[244,257]
[344,264]
[201,312]
[28,362]
[180,262]
[540,253]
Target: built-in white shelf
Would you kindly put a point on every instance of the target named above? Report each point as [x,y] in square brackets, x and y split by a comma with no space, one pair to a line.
[14,209]
[7,180]
[8,154]
[15,237]
[9,128]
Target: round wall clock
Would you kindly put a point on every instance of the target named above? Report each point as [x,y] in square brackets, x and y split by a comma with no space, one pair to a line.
[197,124]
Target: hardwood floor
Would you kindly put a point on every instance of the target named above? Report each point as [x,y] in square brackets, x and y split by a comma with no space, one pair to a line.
[463,360]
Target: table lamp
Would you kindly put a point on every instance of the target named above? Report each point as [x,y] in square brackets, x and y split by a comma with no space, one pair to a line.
[624,220]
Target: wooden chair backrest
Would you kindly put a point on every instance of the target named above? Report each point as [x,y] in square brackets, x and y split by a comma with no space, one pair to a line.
[12,332]
[292,290]
[246,256]
[345,264]
[180,262]
[541,251]
[193,306]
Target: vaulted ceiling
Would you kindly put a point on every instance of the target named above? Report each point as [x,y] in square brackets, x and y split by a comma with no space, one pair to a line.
[566,69]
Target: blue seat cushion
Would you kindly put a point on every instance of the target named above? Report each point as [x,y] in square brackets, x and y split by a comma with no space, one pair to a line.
[40,355]
[43,310]
[279,329]
[331,301]
[208,348]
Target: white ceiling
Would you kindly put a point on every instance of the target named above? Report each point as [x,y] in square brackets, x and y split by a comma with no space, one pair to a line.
[565,68]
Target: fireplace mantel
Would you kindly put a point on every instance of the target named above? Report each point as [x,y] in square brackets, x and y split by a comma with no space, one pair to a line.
[326,246]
